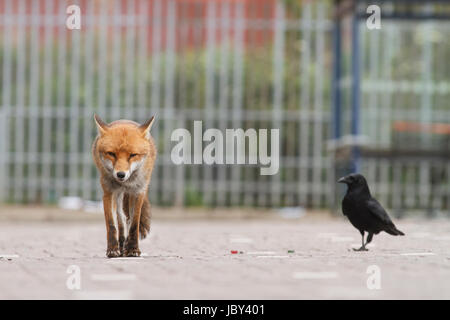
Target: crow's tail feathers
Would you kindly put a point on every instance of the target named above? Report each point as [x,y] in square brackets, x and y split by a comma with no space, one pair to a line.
[394,231]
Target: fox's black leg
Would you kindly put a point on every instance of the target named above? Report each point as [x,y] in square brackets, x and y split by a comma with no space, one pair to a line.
[363,247]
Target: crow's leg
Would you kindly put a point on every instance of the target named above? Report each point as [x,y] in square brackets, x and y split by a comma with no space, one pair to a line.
[363,247]
[369,238]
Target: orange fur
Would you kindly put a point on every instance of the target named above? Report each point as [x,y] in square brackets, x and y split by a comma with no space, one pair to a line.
[125,147]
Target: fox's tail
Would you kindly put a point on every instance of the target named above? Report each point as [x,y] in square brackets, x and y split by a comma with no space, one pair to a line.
[144,225]
[394,231]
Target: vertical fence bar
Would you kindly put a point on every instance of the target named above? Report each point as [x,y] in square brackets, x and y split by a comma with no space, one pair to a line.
[74,159]
[370,118]
[183,29]
[5,184]
[220,185]
[386,113]
[88,83]
[356,92]
[116,74]
[337,103]
[305,62]
[155,100]
[447,190]
[209,95]
[103,103]
[20,127]
[47,104]
[198,24]
[143,110]
[3,139]
[129,64]
[318,112]
[169,116]
[235,184]
[61,108]
[426,107]
[278,72]
[33,107]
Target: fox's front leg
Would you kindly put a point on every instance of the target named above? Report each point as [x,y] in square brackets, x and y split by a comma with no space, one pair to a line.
[122,238]
[112,249]
[121,223]
[132,243]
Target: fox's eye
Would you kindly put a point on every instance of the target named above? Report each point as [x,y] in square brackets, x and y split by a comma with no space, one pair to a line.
[112,154]
[133,155]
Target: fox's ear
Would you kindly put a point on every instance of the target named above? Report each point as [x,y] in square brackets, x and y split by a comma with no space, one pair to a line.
[145,128]
[101,125]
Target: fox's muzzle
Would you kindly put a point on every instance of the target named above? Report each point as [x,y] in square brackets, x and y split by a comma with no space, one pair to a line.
[121,176]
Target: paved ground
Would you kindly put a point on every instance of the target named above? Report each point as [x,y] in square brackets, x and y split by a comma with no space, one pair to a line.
[192,259]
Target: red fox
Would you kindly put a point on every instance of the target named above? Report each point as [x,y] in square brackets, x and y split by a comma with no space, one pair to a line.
[124,153]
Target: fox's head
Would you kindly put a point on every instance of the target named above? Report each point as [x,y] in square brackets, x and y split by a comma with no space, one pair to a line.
[123,146]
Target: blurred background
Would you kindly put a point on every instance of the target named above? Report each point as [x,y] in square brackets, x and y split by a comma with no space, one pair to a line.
[345,98]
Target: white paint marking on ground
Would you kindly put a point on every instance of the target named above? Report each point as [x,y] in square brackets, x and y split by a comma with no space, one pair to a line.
[442,238]
[125,258]
[326,235]
[418,254]
[241,240]
[420,235]
[315,275]
[342,239]
[9,256]
[279,257]
[114,277]
[104,295]
[261,252]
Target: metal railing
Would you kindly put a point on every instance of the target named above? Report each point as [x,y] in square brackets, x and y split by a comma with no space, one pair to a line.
[232,64]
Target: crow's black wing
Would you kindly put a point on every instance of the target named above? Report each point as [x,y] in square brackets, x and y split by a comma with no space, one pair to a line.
[375,208]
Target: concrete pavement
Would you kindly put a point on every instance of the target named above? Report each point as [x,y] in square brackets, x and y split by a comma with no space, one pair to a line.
[192,260]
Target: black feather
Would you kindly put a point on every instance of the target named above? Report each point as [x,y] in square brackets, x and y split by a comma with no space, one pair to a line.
[364,212]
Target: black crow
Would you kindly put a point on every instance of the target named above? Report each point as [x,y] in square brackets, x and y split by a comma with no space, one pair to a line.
[364,212]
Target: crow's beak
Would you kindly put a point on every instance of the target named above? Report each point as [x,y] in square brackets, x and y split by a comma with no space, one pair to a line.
[342,180]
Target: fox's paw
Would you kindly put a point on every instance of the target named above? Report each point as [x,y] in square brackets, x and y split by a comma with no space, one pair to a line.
[132,252]
[113,253]
[122,247]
